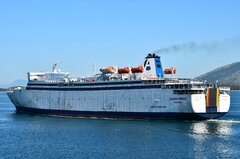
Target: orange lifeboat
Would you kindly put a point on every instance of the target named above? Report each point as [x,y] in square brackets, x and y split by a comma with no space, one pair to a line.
[137,69]
[170,70]
[123,70]
[110,69]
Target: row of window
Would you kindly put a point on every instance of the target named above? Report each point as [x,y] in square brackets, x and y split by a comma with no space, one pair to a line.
[188,91]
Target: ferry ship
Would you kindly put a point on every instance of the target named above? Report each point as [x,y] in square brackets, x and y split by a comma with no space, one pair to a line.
[142,92]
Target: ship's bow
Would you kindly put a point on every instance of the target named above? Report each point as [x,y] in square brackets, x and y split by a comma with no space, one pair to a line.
[14,95]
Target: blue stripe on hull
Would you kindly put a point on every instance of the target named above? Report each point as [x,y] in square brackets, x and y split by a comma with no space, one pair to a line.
[121,115]
[127,82]
[73,88]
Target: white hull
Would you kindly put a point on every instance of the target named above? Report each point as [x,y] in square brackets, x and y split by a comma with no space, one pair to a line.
[126,101]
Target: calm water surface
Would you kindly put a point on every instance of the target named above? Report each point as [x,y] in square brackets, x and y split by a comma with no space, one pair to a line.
[32,136]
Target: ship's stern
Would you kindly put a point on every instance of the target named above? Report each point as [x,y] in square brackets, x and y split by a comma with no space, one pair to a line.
[214,103]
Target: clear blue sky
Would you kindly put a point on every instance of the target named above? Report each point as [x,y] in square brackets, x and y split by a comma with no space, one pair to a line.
[35,33]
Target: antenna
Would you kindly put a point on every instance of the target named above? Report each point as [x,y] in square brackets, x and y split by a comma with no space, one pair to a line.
[54,68]
[94,68]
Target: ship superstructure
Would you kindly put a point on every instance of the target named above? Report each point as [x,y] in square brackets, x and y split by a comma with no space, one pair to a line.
[141,92]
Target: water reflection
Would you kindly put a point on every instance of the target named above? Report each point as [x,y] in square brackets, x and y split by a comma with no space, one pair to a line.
[211,136]
[212,127]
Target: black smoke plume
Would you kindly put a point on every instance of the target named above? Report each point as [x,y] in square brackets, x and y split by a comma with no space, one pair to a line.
[203,47]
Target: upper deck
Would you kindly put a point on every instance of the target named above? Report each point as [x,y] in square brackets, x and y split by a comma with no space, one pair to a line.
[149,75]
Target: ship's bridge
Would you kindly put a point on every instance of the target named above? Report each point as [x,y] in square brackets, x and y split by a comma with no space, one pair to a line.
[55,75]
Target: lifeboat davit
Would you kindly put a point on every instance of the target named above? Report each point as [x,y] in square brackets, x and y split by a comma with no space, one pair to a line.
[137,69]
[123,70]
[110,69]
[170,70]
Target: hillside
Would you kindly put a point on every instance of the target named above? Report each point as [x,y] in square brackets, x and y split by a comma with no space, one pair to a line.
[2,90]
[228,75]
[15,83]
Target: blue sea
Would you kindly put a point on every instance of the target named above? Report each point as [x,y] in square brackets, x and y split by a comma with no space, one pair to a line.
[31,136]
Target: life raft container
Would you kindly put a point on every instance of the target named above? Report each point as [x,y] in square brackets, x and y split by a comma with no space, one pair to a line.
[123,70]
[170,70]
[110,69]
[137,69]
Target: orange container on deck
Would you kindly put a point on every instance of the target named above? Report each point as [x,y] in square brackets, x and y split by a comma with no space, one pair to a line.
[110,69]
[138,69]
[170,70]
[123,70]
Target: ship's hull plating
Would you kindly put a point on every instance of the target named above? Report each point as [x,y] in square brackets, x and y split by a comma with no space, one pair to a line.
[120,115]
[152,103]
